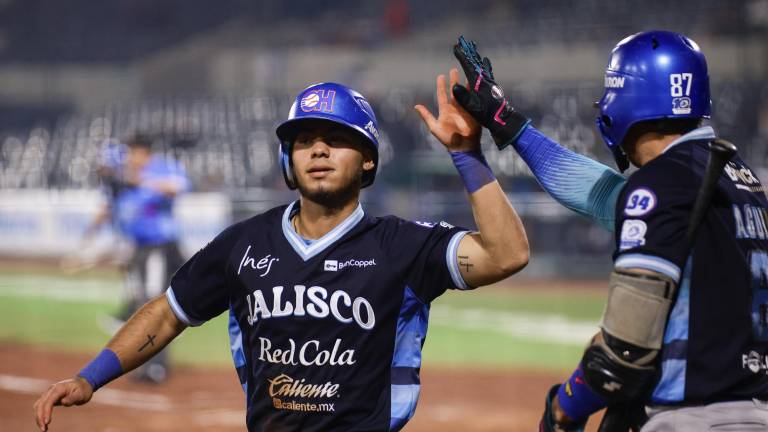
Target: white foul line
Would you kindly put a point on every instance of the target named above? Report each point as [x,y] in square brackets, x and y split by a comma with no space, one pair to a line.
[120,398]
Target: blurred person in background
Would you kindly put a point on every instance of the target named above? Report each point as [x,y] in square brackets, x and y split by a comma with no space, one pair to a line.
[140,187]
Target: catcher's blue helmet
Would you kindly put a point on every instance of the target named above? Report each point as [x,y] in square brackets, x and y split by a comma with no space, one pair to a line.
[651,75]
[332,102]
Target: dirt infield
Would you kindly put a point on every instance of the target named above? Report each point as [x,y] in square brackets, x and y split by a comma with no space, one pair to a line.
[211,399]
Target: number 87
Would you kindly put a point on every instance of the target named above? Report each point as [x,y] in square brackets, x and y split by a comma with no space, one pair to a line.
[676,82]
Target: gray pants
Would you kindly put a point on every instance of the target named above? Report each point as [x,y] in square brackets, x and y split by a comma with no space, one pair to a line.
[148,275]
[738,416]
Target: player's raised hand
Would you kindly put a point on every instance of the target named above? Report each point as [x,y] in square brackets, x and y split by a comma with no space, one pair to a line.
[485,99]
[454,127]
[75,391]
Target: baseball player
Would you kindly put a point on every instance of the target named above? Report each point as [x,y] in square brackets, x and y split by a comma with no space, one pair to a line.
[685,330]
[329,305]
[141,187]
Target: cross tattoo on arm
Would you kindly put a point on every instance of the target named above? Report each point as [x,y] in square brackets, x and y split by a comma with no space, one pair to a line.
[464,262]
[150,341]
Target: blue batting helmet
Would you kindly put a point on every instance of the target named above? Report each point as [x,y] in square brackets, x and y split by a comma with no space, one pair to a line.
[650,76]
[332,102]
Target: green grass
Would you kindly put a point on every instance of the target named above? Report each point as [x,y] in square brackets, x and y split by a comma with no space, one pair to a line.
[481,329]
[35,309]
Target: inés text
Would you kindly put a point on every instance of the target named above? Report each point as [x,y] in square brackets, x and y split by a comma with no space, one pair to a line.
[314,301]
[264,264]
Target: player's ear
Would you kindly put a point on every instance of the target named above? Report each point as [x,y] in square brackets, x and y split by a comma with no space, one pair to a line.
[368,162]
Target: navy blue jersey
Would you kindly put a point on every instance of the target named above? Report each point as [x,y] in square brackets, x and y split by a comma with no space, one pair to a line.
[327,334]
[716,338]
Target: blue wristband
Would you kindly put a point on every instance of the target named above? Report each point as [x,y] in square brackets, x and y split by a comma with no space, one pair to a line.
[473,168]
[577,400]
[101,370]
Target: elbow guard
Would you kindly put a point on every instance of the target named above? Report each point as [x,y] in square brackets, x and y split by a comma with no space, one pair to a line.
[621,365]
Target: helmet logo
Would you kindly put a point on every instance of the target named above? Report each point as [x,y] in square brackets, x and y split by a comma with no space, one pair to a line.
[680,90]
[681,105]
[614,82]
[318,100]
[370,127]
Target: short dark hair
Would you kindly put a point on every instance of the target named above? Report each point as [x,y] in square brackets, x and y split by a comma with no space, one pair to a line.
[672,126]
[139,140]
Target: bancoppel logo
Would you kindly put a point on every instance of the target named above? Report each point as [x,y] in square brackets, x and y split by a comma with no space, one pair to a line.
[614,82]
[284,386]
[335,265]
[743,178]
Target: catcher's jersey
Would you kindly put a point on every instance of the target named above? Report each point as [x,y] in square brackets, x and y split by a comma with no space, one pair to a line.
[716,338]
[327,334]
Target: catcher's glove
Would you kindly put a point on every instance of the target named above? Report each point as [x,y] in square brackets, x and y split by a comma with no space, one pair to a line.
[485,99]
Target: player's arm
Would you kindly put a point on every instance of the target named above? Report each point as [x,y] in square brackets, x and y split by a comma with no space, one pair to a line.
[575,181]
[149,330]
[621,361]
[500,248]
[171,181]
[101,217]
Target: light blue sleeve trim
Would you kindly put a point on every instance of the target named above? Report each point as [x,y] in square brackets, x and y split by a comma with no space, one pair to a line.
[649,262]
[575,181]
[178,311]
[452,260]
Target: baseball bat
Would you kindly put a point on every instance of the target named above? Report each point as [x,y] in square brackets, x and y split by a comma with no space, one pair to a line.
[617,417]
[720,152]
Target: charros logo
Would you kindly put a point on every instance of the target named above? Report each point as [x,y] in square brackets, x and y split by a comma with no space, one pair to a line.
[285,386]
[318,100]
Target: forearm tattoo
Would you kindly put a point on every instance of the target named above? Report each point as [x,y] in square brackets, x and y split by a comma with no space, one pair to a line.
[150,341]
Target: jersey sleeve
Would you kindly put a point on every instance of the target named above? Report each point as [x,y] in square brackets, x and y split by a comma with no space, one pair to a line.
[575,181]
[652,217]
[199,290]
[434,265]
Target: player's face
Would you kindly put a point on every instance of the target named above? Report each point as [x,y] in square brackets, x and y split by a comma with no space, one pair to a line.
[137,157]
[328,162]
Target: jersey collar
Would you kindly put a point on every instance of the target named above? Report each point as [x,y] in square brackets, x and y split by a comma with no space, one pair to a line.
[308,251]
[702,133]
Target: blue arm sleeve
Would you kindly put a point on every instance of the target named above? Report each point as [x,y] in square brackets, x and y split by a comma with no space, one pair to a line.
[575,181]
